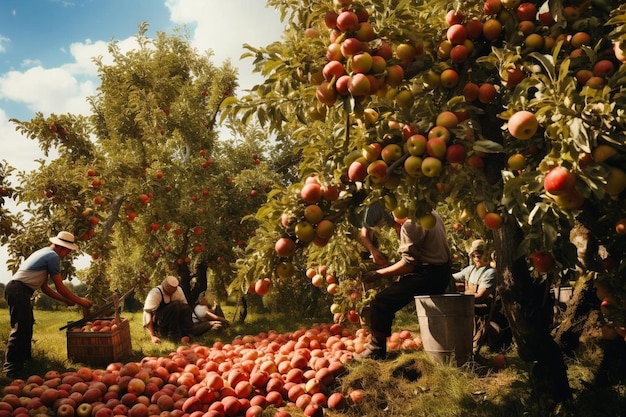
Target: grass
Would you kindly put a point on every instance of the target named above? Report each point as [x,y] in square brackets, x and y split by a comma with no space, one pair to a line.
[407,384]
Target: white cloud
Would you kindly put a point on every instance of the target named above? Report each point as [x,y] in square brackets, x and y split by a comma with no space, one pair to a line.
[224,26]
[52,90]
[16,148]
[27,63]
[3,41]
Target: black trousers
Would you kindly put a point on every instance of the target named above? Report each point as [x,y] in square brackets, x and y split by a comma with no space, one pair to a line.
[425,280]
[18,298]
[173,321]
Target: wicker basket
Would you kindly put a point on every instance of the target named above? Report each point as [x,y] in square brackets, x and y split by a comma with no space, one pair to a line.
[99,348]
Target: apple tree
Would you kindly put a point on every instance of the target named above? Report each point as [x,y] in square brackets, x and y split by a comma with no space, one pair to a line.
[142,181]
[504,115]
[7,219]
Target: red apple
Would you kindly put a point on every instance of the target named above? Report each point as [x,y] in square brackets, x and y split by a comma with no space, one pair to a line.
[603,68]
[457,34]
[333,70]
[559,180]
[454,17]
[347,21]
[470,92]
[456,153]
[436,147]
[359,85]
[526,11]
[377,171]
[285,247]
[441,131]
[350,47]
[492,221]
[542,261]
[474,28]
[523,125]
[491,7]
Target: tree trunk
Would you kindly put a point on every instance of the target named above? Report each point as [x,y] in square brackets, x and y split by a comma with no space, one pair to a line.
[529,310]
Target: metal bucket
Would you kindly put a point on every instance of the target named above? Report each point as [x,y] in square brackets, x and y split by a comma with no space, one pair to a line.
[447,326]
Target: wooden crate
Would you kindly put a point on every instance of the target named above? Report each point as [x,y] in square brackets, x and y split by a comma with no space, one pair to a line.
[99,348]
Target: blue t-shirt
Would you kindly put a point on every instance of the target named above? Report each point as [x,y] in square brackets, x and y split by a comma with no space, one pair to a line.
[36,269]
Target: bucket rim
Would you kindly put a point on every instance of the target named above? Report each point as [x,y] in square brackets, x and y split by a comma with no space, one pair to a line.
[450,295]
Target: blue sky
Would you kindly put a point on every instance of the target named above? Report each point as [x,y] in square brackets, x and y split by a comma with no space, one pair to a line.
[46,47]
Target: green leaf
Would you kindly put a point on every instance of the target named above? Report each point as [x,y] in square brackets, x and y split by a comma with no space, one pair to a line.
[488,146]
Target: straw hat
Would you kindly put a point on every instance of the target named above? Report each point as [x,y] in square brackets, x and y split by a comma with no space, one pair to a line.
[477,246]
[169,284]
[65,239]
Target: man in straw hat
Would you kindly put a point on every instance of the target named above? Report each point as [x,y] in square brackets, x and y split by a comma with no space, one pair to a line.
[33,274]
[166,313]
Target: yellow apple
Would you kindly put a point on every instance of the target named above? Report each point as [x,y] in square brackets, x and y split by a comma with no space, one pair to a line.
[416,145]
[391,153]
[431,166]
[304,231]
[447,119]
[516,162]
[413,166]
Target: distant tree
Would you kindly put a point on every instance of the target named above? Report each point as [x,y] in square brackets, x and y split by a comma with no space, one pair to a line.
[143,182]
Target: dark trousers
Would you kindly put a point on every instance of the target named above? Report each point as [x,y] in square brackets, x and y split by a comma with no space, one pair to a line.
[18,298]
[173,321]
[425,280]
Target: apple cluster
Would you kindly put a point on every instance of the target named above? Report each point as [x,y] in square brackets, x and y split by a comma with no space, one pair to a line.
[308,223]
[242,378]
[358,63]
[413,155]
[320,275]
[99,325]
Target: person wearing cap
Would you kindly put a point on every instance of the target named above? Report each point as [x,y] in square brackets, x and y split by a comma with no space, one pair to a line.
[423,269]
[166,313]
[479,279]
[375,218]
[213,314]
[33,274]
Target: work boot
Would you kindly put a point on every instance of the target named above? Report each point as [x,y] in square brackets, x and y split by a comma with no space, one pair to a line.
[372,352]
[12,369]
[376,349]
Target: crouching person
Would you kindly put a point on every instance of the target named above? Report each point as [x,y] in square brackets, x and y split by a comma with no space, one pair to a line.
[211,312]
[167,314]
